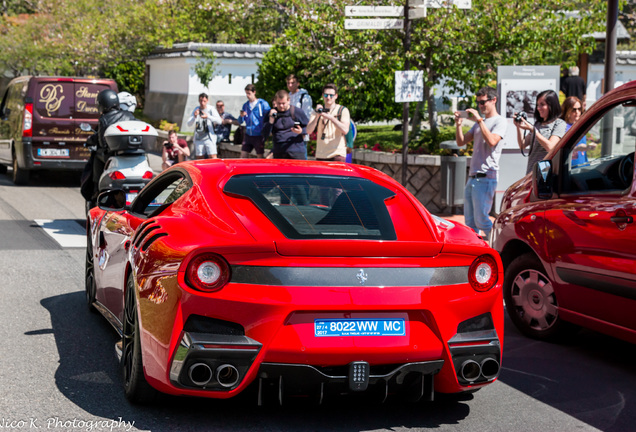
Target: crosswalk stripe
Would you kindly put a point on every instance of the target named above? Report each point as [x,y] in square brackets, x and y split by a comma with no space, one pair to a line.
[67,233]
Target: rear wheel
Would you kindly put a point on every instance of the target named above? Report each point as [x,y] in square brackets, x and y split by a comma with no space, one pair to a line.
[20,175]
[136,388]
[531,301]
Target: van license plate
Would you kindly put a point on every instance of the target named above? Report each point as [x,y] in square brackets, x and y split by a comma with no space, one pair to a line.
[51,152]
[359,327]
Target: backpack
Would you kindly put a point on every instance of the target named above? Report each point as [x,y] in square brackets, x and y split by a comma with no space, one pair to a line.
[350,137]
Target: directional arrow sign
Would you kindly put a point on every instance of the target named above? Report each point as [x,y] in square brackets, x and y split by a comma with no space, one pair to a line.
[387,11]
[374,24]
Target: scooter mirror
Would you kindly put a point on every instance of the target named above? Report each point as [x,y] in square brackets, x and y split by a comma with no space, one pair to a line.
[85,127]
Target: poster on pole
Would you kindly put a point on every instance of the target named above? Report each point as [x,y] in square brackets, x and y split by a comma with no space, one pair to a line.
[409,86]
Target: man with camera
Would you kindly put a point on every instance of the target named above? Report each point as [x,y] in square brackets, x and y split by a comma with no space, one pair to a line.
[331,123]
[175,150]
[286,125]
[486,133]
[204,118]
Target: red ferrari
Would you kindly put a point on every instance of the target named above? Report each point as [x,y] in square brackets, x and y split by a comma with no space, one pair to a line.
[294,278]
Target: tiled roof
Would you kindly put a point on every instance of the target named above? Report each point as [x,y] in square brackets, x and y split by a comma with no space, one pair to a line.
[193,49]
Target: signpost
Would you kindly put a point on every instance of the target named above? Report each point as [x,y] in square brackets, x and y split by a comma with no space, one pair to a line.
[412,9]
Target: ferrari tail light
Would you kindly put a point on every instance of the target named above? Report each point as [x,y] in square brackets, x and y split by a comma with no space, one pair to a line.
[117,175]
[147,175]
[208,272]
[27,128]
[482,274]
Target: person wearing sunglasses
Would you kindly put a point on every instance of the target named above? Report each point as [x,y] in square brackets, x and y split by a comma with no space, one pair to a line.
[486,135]
[572,109]
[547,131]
[331,122]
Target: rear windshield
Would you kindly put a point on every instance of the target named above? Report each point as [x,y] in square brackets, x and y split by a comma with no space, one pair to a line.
[307,207]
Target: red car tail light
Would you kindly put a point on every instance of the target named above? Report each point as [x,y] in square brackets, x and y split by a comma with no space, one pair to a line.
[147,175]
[208,272]
[117,175]
[482,274]
[27,128]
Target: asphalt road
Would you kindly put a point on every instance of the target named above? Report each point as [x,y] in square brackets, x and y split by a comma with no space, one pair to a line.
[58,369]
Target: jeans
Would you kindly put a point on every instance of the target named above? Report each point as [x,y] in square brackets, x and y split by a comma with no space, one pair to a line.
[479,194]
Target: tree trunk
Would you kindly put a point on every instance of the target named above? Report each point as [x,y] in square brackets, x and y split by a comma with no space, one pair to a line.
[432,111]
[416,124]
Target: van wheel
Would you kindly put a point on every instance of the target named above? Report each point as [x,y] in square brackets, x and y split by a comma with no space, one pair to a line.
[20,176]
[531,301]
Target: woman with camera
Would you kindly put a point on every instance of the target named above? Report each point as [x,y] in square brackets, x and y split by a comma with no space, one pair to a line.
[547,131]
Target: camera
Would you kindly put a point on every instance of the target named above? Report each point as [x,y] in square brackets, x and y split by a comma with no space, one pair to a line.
[322,110]
[167,144]
[274,114]
[519,116]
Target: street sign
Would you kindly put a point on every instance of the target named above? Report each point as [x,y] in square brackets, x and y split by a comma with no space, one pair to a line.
[417,12]
[384,11]
[461,4]
[387,11]
[374,24]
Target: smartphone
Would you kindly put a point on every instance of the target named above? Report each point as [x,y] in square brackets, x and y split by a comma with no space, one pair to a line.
[463,114]
[296,123]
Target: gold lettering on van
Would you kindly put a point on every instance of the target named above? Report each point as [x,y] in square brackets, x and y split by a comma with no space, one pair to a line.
[48,95]
[83,107]
[56,131]
[84,93]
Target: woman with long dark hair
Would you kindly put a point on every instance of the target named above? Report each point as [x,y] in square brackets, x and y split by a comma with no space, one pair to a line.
[547,130]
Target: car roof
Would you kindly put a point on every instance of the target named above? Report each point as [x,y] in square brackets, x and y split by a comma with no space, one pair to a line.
[283,166]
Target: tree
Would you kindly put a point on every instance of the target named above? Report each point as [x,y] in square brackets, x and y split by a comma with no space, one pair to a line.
[463,47]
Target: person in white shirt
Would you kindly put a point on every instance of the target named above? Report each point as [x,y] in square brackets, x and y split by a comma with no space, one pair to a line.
[204,117]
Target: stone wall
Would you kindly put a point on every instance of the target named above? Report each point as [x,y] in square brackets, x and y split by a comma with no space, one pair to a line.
[424,177]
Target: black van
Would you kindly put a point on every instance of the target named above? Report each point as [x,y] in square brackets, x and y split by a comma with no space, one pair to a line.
[39,123]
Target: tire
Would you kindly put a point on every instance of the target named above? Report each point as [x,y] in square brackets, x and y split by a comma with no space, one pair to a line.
[136,388]
[20,176]
[89,277]
[531,301]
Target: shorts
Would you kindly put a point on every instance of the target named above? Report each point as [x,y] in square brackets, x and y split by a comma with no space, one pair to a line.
[256,142]
[203,147]
[171,162]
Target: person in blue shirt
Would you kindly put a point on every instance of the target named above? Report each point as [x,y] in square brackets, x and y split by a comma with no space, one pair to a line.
[254,114]
[572,109]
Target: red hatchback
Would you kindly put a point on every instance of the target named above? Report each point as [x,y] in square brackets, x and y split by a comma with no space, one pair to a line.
[566,232]
[296,277]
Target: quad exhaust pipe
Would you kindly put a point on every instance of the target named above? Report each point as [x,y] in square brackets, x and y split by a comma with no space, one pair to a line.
[227,375]
[201,374]
[470,370]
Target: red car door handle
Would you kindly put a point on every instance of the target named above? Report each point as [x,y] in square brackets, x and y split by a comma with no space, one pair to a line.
[622,219]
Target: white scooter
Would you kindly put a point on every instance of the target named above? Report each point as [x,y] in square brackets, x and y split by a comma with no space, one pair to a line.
[127,168]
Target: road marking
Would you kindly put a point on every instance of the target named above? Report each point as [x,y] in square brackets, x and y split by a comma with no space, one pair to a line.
[66,232]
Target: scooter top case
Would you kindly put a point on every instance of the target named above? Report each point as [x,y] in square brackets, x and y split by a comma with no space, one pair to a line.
[130,136]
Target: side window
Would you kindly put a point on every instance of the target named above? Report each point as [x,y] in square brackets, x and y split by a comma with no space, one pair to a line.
[151,202]
[603,158]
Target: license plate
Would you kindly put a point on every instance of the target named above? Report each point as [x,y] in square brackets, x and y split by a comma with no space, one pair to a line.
[48,152]
[359,327]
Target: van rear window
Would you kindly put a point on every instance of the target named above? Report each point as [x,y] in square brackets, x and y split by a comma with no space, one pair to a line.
[307,207]
[54,98]
[63,99]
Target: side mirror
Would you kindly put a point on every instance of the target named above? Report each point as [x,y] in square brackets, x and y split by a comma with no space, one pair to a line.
[542,179]
[86,127]
[112,200]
